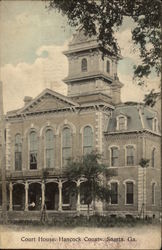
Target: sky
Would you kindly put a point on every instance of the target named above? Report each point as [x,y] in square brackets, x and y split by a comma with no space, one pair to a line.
[31,44]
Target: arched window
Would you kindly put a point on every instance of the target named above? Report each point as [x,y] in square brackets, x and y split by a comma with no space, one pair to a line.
[84,65]
[87,140]
[130,155]
[33,149]
[153,193]
[155,124]
[49,149]
[18,152]
[153,158]
[66,145]
[114,193]
[114,156]
[108,66]
[129,192]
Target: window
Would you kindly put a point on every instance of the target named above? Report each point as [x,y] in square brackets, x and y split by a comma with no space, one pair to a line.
[130,155]
[129,193]
[121,123]
[114,156]
[84,65]
[155,124]
[66,145]
[108,67]
[114,193]
[153,193]
[33,150]
[18,152]
[87,140]
[153,158]
[49,149]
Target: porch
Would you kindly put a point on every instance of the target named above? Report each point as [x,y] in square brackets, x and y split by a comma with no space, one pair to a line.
[27,198]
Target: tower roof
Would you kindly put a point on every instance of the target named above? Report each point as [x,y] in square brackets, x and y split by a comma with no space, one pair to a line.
[82,41]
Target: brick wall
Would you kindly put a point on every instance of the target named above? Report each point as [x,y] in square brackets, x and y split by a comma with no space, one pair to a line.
[144,143]
[57,122]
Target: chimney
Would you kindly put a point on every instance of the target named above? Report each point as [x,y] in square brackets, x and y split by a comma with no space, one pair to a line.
[27,99]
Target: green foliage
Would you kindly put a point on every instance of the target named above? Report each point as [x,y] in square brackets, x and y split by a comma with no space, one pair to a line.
[103,18]
[146,35]
[151,98]
[90,169]
[81,221]
[99,221]
[88,166]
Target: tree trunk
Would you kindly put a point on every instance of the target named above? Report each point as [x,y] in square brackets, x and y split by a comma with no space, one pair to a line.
[88,215]
[93,197]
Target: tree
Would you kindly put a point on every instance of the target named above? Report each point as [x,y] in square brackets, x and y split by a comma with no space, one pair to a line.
[103,18]
[151,98]
[90,169]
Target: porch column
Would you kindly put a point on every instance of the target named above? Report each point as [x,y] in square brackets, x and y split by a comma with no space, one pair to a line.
[60,195]
[26,195]
[78,197]
[11,200]
[43,194]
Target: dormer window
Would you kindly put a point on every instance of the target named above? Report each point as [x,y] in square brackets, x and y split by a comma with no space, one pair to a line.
[121,122]
[155,124]
[108,66]
[84,65]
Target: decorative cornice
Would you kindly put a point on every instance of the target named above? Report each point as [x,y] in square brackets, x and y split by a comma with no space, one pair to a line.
[74,109]
[132,131]
[79,49]
[92,75]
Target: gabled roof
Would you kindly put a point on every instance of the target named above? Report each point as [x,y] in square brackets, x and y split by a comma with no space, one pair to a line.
[47,100]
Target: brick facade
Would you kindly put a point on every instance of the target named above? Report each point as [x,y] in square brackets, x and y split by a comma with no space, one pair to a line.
[93,100]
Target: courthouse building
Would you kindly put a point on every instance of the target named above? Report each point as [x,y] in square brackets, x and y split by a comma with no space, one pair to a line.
[50,128]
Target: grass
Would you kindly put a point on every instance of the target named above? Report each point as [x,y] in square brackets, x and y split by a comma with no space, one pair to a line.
[93,221]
